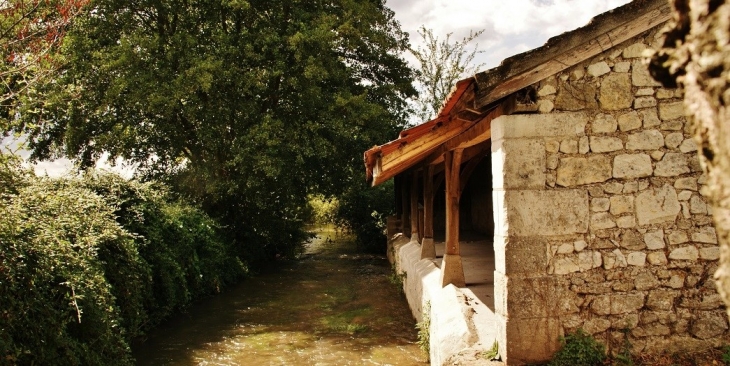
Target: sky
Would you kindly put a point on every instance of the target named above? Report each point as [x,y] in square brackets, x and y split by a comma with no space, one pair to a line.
[510,27]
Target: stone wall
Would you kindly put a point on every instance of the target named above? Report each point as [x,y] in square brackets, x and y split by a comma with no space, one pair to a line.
[601,222]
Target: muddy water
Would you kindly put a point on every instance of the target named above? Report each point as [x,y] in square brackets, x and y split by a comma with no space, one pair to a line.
[334,307]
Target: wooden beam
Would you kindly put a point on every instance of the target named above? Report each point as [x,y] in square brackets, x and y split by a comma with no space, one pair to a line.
[414,206]
[405,206]
[428,248]
[452,271]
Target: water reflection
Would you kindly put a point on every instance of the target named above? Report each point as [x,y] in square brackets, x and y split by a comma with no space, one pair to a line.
[334,307]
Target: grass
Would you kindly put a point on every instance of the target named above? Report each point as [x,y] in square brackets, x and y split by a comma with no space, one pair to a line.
[424,329]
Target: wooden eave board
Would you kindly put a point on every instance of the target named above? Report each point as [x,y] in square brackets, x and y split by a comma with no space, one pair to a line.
[559,53]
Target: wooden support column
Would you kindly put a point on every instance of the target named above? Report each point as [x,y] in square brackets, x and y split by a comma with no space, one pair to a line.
[405,205]
[452,270]
[428,249]
[414,207]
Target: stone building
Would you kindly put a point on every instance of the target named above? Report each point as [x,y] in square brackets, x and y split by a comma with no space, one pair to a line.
[583,172]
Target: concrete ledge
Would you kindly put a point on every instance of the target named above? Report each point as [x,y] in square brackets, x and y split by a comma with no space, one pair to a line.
[461,328]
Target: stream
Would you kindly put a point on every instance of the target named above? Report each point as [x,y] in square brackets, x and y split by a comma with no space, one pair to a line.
[332,307]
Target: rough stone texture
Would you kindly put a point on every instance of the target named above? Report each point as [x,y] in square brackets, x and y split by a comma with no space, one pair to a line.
[671,111]
[605,123]
[583,145]
[558,212]
[634,51]
[640,75]
[644,92]
[601,221]
[672,164]
[629,121]
[636,259]
[709,324]
[545,106]
[569,146]
[650,117]
[598,69]
[657,206]
[705,235]
[673,140]
[644,102]
[622,204]
[548,125]
[579,171]
[622,66]
[677,237]
[654,239]
[645,140]
[605,144]
[688,253]
[710,254]
[657,258]
[546,90]
[576,96]
[523,163]
[600,204]
[688,146]
[630,166]
[617,304]
[686,183]
[615,92]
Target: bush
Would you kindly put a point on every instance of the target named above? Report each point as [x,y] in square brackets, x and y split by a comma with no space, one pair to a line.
[579,349]
[363,210]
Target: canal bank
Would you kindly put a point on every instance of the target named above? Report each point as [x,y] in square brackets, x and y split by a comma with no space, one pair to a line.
[335,306]
[463,327]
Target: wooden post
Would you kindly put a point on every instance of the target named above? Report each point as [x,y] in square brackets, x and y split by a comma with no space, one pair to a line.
[414,207]
[452,271]
[405,205]
[428,249]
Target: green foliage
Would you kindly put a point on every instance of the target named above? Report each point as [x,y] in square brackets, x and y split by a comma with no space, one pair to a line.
[726,355]
[623,357]
[579,349]
[363,210]
[424,329]
[492,353]
[86,264]
[323,210]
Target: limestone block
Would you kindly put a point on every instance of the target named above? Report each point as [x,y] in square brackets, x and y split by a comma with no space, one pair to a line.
[629,166]
[646,281]
[656,206]
[626,222]
[596,325]
[644,102]
[651,330]
[539,125]
[688,253]
[661,299]
[620,258]
[579,245]
[583,145]
[605,144]
[636,259]
[657,155]
[522,163]
[643,92]
[613,187]
[622,204]
[632,240]
[673,125]
[576,96]
[604,123]
[565,248]
[677,237]
[709,324]
[664,93]
[545,106]
[671,110]
[710,253]
[598,69]
[569,146]
[615,92]
[532,341]
[634,51]
[602,220]
[629,121]
[654,239]
[640,75]
[649,117]
[600,204]
[688,146]
[711,301]
[623,66]
[686,183]
[577,74]
[550,179]
[631,187]
[673,140]
[552,161]
[684,195]
[578,171]
[672,164]
[617,304]
[545,213]
[546,90]
[706,235]
[697,205]
[657,258]
[676,281]
[645,140]
[552,146]
[588,260]
[685,210]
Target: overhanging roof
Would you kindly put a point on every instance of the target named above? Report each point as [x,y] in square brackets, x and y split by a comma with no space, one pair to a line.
[465,119]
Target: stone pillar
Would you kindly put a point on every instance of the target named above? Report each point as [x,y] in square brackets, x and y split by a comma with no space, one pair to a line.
[452,271]
[428,249]
[526,216]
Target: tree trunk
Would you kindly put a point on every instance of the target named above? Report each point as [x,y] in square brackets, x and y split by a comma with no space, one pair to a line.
[696,55]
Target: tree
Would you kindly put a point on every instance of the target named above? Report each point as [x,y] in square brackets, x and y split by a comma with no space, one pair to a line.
[696,55]
[442,64]
[246,106]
